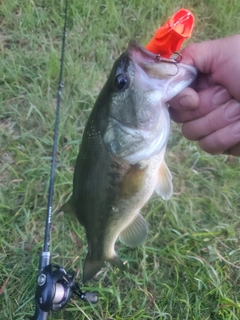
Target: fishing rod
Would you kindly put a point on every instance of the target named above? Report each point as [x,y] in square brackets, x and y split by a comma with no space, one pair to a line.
[55,286]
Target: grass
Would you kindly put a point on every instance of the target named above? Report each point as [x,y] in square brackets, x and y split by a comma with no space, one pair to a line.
[189,267]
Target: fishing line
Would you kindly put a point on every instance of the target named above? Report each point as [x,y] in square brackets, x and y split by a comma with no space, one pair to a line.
[55,286]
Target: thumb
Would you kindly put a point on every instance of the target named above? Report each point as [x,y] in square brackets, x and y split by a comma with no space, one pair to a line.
[219,60]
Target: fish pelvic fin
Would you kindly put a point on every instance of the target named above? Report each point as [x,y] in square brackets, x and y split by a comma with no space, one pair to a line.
[135,233]
[164,187]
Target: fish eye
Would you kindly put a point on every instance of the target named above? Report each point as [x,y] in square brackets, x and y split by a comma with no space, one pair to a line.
[121,82]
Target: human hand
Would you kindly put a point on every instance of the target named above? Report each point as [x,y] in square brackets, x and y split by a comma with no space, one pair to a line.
[210,111]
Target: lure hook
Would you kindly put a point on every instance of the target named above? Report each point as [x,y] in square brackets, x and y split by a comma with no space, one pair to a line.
[175,61]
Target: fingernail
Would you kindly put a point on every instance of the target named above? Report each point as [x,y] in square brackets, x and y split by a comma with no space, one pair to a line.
[232,110]
[186,102]
[221,96]
[235,128]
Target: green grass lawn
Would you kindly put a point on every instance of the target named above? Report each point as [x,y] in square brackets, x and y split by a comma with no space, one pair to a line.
[189,268]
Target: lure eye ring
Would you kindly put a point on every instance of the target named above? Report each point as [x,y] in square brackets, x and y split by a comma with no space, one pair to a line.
[121,82]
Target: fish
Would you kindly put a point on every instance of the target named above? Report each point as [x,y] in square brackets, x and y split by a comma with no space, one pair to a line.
[121,158]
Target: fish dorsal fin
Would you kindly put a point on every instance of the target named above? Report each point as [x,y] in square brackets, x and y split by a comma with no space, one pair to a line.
[135,233]
[164,187]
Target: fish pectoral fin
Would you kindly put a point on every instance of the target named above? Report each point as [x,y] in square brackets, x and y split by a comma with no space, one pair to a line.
[164,187]
[91,268]
[135,233]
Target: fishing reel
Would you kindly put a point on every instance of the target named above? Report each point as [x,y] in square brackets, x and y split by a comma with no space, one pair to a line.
[54,289]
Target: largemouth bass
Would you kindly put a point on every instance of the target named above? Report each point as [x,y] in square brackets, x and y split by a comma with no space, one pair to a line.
[121,158]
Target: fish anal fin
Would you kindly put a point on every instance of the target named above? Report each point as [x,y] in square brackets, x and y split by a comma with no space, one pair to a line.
[68,207]
[135,233]
[164,187]
[91,268]
[116,261]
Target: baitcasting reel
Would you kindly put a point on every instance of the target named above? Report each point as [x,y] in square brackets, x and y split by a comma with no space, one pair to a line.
[54,288]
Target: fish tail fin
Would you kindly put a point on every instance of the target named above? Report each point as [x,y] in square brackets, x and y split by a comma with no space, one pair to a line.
[68,207]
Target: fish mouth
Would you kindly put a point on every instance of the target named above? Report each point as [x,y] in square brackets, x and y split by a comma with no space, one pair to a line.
[168,73]
[153,64]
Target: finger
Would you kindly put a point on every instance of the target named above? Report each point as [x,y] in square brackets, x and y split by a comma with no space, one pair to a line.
[209,100]
[217,119]
[185,100]
[234,151]
[203,82]
[227,138]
